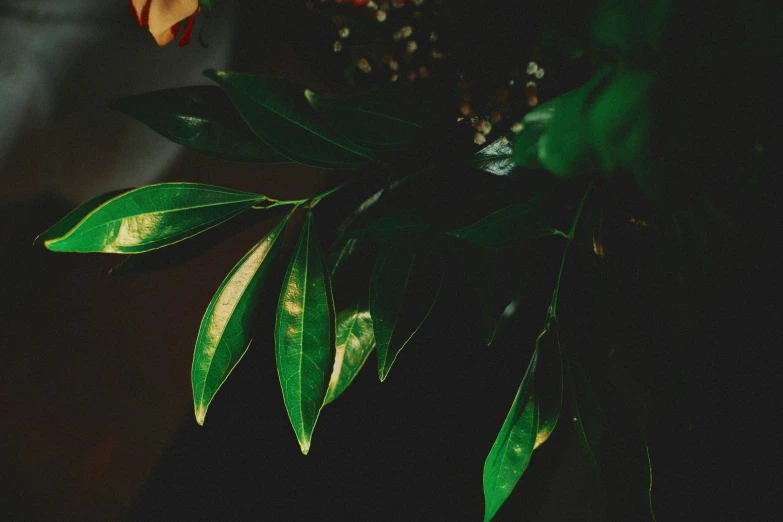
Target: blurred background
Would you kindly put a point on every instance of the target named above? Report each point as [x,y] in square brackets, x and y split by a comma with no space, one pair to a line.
[96,417]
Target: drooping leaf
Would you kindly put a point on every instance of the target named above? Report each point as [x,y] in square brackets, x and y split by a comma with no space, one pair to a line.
[548,382]
[403,291]
[201,118]
[227,327]
[62,227]
[625,456]
[589,421]
[529,423]
[288,124]
[495,158]
[481,268]
[151,217]
[378,119]
[394,227]
[508,226]
[354,340]
[510,454]
[304,335]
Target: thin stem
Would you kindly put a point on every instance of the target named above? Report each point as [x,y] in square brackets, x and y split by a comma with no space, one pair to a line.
[552,312]
[297,202]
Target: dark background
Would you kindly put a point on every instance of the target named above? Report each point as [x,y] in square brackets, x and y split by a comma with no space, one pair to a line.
[95,402]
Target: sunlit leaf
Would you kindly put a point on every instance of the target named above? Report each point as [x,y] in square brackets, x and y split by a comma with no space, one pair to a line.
[150,217]
[274,112]
[508,226]
[304,335]
[354,340]
[62,227]
[403,291]
[201,118]
[378,119]
[510,454]
[227,327]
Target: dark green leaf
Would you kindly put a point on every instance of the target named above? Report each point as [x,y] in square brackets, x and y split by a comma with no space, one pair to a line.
[510,454]
[556,133]
[378,119]
[304,335]
[630,28]
[200,118]
[588,418]
[508,227]
[151,217]
[495,158]
[227,327]
[206,6]
[604,125]
[69,221]
[394,227]
[403,291]
[285,121]
[354,342]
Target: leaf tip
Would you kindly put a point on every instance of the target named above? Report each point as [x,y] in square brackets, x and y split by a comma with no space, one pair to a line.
[213,74]
[304,446]
[201,413]
[52,245]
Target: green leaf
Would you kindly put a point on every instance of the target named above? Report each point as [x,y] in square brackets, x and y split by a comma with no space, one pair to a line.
[510,454]
[604,125]
[556,134]
[394,227]
[529,423]
[378,119]
[288,124]
[72,218]
[403,290]
[495,158]
[227,327]
[589,421]
[630,28]
[548,382]
[200,118]
[206,6]
[508,226]
[150,217]
[304,335]
[354,342]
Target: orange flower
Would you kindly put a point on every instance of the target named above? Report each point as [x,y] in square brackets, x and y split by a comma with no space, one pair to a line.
[164,16]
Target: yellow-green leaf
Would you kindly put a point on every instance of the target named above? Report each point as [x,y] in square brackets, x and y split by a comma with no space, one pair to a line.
[228,324]
[354,342]
[148,217]
[304,335]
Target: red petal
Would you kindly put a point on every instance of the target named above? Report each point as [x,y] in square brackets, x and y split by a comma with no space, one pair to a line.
[144,17]
[185,40]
